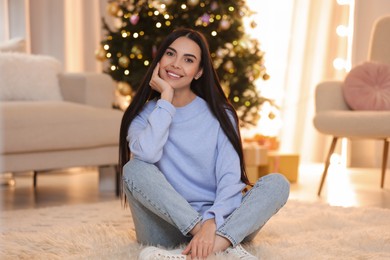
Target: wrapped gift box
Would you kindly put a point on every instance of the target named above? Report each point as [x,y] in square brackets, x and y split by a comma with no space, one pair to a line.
[255,156]
[286,164]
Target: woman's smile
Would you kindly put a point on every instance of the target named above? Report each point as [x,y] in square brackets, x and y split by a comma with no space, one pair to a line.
[173,75]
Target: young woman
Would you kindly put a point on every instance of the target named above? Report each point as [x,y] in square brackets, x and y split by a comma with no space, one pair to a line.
[182,160]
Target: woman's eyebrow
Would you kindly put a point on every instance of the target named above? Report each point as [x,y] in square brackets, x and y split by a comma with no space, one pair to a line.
[186,54]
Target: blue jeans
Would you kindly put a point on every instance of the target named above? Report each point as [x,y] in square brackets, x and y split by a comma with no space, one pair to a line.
[163,217]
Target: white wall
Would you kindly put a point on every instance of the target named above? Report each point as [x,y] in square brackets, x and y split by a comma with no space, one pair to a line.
[366,153]
[366,12]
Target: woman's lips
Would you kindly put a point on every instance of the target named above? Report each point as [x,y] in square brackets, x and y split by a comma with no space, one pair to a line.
[173,75]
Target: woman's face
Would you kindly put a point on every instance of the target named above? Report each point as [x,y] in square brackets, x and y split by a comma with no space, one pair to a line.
[180,63]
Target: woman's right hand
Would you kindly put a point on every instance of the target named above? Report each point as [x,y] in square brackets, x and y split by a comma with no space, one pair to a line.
[160,85]
[202,244]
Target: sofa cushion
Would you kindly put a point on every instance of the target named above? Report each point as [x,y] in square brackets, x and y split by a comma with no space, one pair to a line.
[349,123]
[13,45]
[49,125]
[29,77]
[367,87]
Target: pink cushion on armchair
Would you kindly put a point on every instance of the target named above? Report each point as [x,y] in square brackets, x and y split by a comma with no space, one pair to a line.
[367,87]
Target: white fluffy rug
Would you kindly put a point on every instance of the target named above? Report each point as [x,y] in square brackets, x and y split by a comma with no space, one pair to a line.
[105,231]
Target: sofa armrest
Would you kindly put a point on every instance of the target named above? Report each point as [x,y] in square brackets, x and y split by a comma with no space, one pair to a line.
[329,96]
[95,89]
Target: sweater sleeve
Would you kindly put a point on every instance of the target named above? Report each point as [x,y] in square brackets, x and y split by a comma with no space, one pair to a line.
[229,184]
[148,132]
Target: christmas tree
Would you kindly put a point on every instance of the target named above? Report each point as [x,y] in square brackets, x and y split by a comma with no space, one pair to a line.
[143,24]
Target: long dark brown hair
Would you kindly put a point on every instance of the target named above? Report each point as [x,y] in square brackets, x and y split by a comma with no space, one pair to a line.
[206,87]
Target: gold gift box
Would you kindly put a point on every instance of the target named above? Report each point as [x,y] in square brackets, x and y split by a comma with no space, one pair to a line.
[255,155]
[286,164]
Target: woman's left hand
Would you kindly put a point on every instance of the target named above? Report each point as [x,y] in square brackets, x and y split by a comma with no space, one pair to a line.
[202,244]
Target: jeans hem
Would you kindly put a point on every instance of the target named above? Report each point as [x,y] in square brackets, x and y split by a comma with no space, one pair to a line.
[231,239]
[191,226]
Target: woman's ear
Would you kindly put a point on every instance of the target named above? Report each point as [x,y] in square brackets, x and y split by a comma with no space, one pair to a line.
[199,74]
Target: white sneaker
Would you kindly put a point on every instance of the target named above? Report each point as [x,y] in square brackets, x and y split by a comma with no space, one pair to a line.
[240,253]
[155,253]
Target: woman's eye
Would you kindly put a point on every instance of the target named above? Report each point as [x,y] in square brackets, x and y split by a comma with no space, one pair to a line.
[169,53]
[189,60]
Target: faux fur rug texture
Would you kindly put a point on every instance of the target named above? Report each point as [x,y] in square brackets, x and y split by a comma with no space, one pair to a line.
[104,230]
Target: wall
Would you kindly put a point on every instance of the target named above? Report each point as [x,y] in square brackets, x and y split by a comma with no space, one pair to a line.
[366,12]
[366,153]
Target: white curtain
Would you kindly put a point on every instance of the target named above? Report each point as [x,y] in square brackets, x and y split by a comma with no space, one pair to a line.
[300,43]
[12,19]
[69,30]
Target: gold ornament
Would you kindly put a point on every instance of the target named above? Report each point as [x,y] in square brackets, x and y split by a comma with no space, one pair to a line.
[256,71]
[228,65]
[130,7]
[136,50]
[124,88]
[253,24]
[167,2]
[100,54]
[113,8]
[192,2]
[124,61]
[266,76]
[219,53]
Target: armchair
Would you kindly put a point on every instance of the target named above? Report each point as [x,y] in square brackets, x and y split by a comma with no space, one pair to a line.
[334,115]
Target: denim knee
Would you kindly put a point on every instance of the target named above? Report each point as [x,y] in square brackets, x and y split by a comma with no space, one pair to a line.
[280,184]
[135,171]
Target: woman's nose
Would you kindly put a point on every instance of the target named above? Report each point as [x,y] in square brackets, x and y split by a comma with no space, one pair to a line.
[176,63]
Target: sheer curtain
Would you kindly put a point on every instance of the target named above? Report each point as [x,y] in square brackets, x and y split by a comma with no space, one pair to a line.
[313,47]
[300,43]
[69,30]
[13,19]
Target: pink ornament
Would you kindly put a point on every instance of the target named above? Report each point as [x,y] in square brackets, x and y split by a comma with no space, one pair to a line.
[214,6]
[134,19]
[205,18]
[224,24]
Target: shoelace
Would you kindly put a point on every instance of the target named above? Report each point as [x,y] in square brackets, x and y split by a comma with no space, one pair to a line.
[239,251]
[242,250]
[161,256]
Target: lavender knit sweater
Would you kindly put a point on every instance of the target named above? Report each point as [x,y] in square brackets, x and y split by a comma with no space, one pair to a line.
[189,147]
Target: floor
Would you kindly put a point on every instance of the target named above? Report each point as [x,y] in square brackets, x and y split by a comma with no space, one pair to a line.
[343,187]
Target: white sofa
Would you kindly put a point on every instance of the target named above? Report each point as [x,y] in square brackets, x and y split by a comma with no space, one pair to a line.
[77,128]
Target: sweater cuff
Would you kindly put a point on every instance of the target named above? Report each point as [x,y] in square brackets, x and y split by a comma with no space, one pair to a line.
[167,106]
[210,214]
